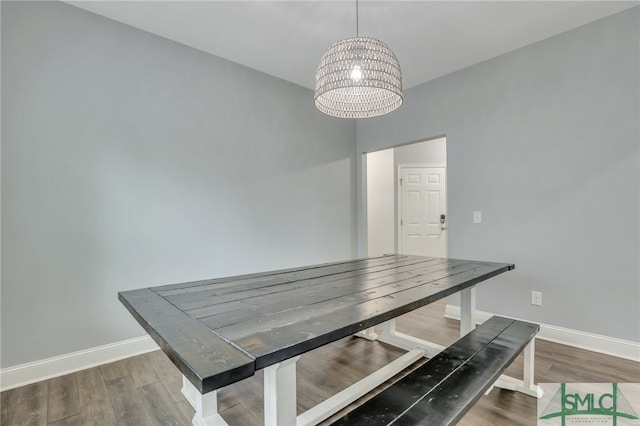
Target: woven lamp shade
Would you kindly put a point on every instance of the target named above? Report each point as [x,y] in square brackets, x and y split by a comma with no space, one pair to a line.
[358,77]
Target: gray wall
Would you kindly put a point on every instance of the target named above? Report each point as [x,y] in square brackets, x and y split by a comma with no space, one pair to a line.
[427,152]
[545,142]
[381,201]
[129,161]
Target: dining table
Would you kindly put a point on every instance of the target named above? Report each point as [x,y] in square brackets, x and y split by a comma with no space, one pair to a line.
[223,330]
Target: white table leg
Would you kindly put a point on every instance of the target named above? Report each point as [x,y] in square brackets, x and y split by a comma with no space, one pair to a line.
[206,405]
[280,393]
[389,327]
[369,334]
[393,337]
[467,310]
[337,402]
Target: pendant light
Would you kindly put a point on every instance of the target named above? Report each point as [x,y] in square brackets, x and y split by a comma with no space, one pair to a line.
[358,77]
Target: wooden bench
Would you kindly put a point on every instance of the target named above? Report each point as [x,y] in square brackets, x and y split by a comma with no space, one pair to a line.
[443,389]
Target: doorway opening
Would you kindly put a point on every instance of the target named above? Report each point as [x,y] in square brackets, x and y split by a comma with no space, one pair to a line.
[406,200]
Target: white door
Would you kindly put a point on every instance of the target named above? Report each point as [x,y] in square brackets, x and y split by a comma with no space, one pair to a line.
[422,211]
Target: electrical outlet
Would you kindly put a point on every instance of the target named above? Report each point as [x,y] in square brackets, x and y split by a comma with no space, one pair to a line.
[536,298]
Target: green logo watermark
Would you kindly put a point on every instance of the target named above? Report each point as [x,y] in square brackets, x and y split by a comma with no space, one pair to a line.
[590,404]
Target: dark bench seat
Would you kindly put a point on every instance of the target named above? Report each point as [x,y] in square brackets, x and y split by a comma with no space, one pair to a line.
[443,389]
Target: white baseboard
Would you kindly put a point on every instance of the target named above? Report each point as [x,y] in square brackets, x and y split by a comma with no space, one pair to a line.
[33,372]
[593,342]
[36,371]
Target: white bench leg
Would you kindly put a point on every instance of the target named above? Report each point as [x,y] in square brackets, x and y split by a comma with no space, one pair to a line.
[280,393]
[526,385]
[206,405]
[528,374]
[467,310]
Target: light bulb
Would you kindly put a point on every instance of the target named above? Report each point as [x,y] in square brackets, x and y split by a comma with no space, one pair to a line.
[356,73]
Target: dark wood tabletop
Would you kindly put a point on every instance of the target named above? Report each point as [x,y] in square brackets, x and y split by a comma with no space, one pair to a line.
[220,331]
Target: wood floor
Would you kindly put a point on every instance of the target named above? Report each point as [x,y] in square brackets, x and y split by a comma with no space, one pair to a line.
[145,390]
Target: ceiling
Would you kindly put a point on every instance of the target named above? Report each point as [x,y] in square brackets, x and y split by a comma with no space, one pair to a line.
[287,38]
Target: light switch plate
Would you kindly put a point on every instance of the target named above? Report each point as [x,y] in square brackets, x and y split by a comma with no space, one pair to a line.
[477,217]
[536,298]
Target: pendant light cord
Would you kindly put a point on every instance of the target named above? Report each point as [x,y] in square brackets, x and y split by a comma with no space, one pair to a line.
[357,22]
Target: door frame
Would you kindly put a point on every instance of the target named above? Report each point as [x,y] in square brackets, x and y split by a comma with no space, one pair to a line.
[399,200]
